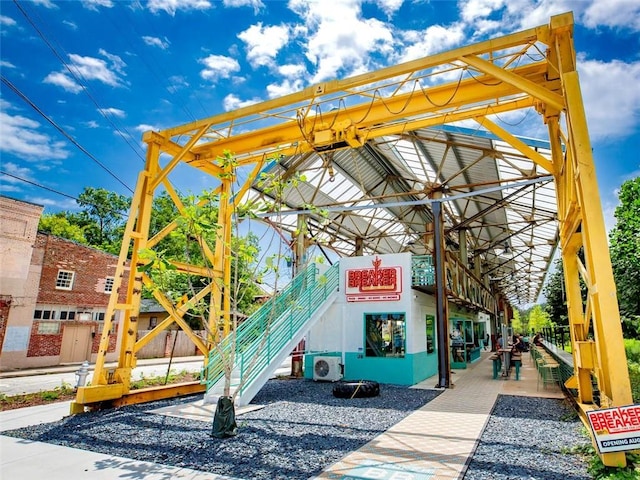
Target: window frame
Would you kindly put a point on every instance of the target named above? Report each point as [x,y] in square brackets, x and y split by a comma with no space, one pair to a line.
[108,284]
[61,281]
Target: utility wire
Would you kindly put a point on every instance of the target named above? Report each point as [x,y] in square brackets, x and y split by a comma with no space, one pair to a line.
[78,80]
[62,131]
[35,184]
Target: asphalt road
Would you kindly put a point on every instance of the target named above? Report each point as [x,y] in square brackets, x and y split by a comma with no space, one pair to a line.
[42,380]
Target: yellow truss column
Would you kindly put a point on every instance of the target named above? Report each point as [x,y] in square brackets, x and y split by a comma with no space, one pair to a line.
[602,304]
[220,306]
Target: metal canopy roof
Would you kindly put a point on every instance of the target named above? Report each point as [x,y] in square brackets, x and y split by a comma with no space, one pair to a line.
[381,194]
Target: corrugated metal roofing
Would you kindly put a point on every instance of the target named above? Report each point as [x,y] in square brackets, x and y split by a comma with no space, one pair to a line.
[381,194]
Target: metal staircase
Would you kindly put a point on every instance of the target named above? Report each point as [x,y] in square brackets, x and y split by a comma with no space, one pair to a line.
[263,341]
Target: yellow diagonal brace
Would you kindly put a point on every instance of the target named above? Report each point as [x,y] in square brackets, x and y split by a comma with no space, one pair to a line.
[519,145]
[178,157]
[517,81]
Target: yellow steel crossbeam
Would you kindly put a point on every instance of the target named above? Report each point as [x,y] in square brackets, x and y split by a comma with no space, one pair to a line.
[521,83]
[262,110]
[443,101]
[519,145]
[161,175]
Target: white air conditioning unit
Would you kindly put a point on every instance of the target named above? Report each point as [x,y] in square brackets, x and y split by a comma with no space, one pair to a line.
[327,369]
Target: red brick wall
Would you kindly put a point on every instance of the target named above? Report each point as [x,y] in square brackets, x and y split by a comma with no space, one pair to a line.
[44,345]
[91,268]
[50,344]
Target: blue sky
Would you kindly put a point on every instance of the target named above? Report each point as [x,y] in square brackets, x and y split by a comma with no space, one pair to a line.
[104,71]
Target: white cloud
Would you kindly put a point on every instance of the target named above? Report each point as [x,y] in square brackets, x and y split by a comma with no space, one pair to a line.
[172,6]
[22,138]
[15,169]
[116,112]
[6,64]
[287,86]
[611,112]
[62,80]
[143,127]
[389,7]
[436,38]
[90,68]
[69,24]
[156,42]
[177,82]
[292,70]
[91,124]
[232,102]
[95,4]
[340,41]
[7,21]
[116,62]
[264,43]
[256,4]
[45,3]
[472,10]
[613,13]
[218,66]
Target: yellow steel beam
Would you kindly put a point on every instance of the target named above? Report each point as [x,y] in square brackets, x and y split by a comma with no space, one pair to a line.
[161,175]
[447,99]
[521,83]
[261,110]
[519,145]
[151,394]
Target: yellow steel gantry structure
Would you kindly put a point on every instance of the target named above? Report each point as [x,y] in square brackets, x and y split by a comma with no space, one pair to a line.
[495,76]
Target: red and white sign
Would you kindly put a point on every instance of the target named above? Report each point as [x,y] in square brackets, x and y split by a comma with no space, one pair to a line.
[373,284]
[616,429]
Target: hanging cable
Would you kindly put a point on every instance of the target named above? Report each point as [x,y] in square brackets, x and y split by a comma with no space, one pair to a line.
[101,110]
[62,131]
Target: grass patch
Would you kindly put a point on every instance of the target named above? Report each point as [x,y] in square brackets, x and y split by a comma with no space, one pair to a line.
[66,392]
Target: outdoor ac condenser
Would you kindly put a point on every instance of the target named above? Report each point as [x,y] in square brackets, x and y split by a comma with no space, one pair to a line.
[327,369]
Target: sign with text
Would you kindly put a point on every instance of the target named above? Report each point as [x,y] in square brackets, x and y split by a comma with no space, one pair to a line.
[616,429]
[373,284]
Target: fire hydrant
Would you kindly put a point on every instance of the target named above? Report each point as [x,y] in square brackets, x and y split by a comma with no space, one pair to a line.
[82,374]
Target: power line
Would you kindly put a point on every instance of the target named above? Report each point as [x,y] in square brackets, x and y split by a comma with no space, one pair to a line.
[75,76]
[38,185]
[62,131]
[35,184]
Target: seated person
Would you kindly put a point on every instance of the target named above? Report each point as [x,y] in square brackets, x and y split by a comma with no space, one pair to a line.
[537,340]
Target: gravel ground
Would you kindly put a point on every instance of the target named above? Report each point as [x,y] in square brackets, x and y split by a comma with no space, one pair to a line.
[303,429]
[531,439]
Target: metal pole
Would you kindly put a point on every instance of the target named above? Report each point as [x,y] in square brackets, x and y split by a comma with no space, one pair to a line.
[442,316]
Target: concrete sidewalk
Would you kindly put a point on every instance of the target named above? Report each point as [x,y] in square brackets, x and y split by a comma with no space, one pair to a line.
[28,372]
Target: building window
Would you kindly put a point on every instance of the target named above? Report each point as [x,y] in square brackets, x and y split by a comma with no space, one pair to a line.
[153,322]
[108,285]
[48,328]
[44,315]
[385,334]
[98,316]
[64,280]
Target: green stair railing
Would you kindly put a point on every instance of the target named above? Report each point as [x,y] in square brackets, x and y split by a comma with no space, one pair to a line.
[261,337]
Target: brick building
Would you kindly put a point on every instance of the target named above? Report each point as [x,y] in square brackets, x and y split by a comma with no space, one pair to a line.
[53,293]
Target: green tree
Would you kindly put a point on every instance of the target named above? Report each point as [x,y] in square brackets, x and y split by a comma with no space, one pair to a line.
[58,224]
[554,291]
[625,256]
[539,318]
[103,217]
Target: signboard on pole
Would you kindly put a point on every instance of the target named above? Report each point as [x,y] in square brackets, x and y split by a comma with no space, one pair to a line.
[616,429]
